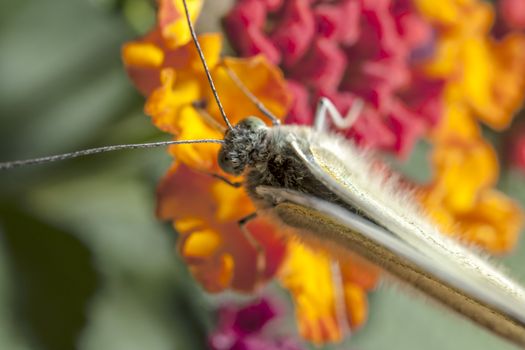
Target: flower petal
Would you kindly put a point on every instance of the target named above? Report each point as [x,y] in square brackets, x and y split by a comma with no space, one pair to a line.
[462,169]
[261,78]
[172,21]
[220,255]
[308,277]
[143,60]
[164,103]
[199,156]
[494,223]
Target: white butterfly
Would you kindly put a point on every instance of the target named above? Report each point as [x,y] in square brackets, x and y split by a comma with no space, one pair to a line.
[336,195]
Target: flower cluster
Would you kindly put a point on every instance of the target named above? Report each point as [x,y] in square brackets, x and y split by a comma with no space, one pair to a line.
[345,50]
[424,69]
[165,67]
[412,68]
[484,81]
[205,211]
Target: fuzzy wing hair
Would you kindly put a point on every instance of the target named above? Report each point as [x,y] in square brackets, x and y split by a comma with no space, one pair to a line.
[361,182]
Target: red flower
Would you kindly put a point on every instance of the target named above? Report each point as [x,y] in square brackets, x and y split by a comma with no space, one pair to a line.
[517,148]
[244,329]
[343,50]
[513,13]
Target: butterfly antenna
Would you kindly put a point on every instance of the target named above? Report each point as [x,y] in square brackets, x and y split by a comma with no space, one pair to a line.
[205,65]
[86,152]
[253,99]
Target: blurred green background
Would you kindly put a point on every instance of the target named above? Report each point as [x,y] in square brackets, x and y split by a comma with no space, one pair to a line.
[83,261]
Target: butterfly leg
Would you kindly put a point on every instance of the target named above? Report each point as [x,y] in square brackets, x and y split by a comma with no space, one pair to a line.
[325,108]
[235,184]
[260,259]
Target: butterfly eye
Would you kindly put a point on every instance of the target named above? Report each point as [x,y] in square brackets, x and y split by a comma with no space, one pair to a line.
[225,162]
[253,123]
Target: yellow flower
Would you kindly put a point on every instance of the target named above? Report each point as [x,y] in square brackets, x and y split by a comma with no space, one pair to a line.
[485,81]
[329,295]
[461,199]
[486,75]
[172,20]
[165,67]
[211,243]
[145,58]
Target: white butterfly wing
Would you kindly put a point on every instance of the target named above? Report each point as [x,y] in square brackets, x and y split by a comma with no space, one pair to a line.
[345,230]
[391,220]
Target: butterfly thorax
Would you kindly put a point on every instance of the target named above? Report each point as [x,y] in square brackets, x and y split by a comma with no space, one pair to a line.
[265,156]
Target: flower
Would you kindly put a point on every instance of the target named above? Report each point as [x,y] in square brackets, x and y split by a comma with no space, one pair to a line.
[484,80]
[513,13]
[244,328]
[346,50]
[417,73]
[462,200]
[165,66]
[329,294]
[218,253]
[485,75]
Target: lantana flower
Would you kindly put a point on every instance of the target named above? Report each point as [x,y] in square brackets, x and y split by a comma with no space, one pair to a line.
[484,81]
[462,198]
[516,147]
[416,77]
[204,210]
[245,328]
[512,13]
[346,50]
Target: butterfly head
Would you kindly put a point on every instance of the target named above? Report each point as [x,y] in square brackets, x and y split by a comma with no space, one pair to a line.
[244,145]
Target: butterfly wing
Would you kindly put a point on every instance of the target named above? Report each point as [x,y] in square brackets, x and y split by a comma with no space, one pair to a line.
[341,230]
[399,234]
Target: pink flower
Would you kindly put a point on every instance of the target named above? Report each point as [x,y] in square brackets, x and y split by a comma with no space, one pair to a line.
[513,13]
[516,147]
[344,50]
[243,329]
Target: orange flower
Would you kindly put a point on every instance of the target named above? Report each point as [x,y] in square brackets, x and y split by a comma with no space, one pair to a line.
[165,67]
[462,168]
[486,75]
[217,252]
[485,81]
[172,21]
[329,294]
[160,48]
[204,210]
[461,198]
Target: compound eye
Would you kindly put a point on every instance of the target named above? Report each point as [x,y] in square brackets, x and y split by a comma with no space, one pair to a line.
[225,163]
[253,123]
